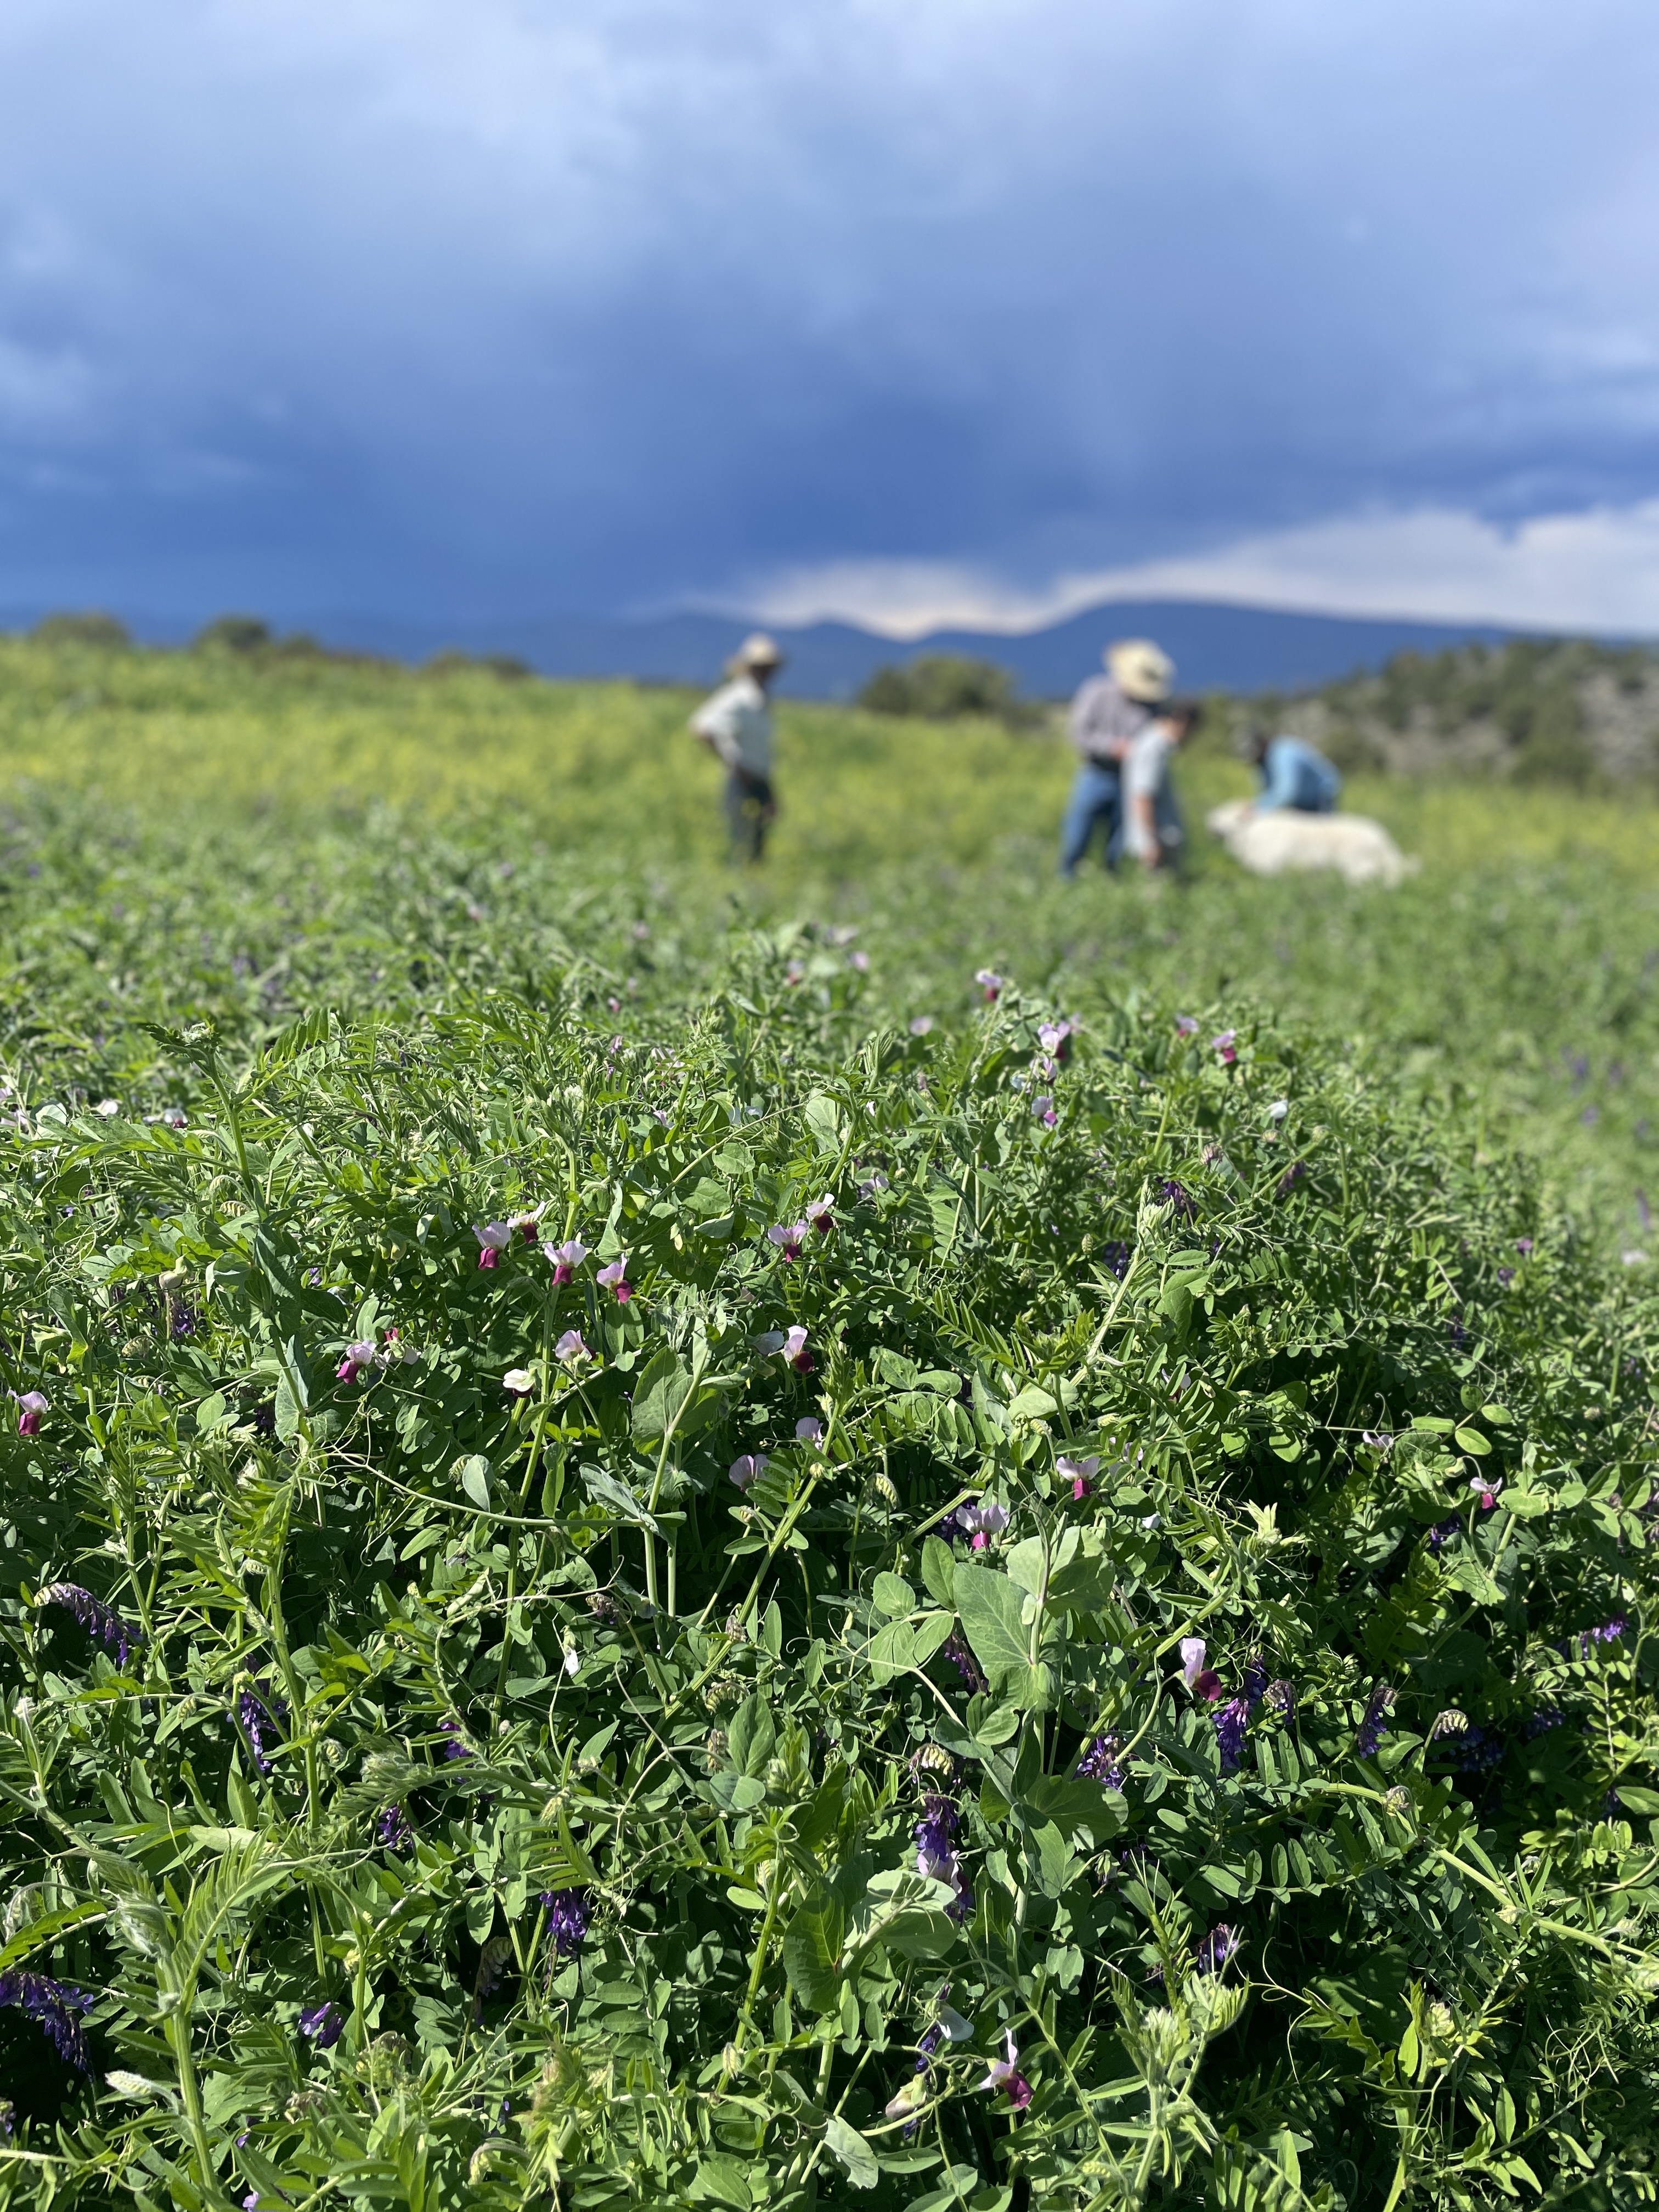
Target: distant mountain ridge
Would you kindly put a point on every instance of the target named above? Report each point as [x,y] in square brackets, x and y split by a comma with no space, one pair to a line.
[1216,644]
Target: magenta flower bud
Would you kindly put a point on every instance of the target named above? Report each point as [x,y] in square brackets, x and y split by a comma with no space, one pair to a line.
[567,1258]
[788,1238]
[615,1278]
[571,1348]
[494,1238]
[30,1406]
[748,1468]
[528,1225]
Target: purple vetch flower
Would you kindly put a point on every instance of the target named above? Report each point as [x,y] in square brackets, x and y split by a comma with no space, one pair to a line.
[1545,1719]
[55,2005]
[1114,1257]
[1375,1725]
[1231,1721]
[1100,1762]
[323,2023]
[1005,2075]
[359,1358]
[936,1834]
[30,1406]
[392,1828]
[455,1747]
[788,1236]
[1292,1176]
[1523,1246]
[748,1468]
[922,1025]
[1225,1046]
[615,1278]
[809,1430]
[982,1521]
[98,1619]
[567,1258]
[1506,1277]
[257,1710]
[956,1650]
[1080,1472]
[494,1238]
[1443,1532]
[1186,1025]
[572,1348]
[1180,1200]
[1217,1948]
[569,1914]
[990,982]
[1587,1638]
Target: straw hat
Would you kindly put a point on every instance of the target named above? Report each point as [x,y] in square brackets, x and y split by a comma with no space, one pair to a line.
[757,651]
[1140,670]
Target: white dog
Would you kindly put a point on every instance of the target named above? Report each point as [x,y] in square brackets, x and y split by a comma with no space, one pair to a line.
[1360,850]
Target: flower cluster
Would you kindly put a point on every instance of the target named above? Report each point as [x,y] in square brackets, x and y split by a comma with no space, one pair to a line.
[569,1914]
[1374,1724]
[257,1710]
[98,1619]
[325,2023]
[59,2008]
[936,1853]
[1100,1762]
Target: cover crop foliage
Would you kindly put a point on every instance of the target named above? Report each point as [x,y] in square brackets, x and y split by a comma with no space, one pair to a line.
[1106,1666]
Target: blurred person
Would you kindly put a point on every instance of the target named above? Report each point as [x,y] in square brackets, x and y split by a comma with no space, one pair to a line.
[1295,776]
[1153,832]
[735,723]
[1109,713]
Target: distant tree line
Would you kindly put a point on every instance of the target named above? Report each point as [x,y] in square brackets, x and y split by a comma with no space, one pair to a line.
[251,638]
[942,687]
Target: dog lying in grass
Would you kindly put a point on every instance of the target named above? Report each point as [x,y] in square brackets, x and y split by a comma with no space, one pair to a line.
[1360,850]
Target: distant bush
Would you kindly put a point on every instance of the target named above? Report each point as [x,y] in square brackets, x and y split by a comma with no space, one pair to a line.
[234,634]
[452,662]
[941,687]
[92,628]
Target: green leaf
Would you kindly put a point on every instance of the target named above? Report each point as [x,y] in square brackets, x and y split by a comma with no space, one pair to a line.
[736,1793]
[989,1608]
[811,1948]
[1526,1504]
[847,2144]
[1644,1801]
[1032,1404]
[753,1735]
[659,1396]
[894,1596]
[1471,1440]
[931,1634]
[823,1117]
[475,1480]
[938,1569]
[609,1490]
[892,1651]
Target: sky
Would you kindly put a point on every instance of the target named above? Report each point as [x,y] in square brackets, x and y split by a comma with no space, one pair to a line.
[907,311]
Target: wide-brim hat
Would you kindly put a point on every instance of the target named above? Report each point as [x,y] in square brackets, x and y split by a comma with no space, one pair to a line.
[1141,671]
[757,651]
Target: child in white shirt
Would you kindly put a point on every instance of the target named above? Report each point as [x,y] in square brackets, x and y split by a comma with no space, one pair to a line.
[1152,829]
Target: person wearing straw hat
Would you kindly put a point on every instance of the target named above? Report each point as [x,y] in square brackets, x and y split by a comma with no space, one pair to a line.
[1109,713]
[735,723]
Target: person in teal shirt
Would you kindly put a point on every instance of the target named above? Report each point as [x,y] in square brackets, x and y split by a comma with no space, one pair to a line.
[1294,775]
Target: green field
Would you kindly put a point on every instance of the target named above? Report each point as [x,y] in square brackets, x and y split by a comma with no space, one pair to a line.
[1044,1608]
[345,833]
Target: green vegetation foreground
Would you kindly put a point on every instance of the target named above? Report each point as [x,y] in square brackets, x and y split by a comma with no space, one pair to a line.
[636,1577]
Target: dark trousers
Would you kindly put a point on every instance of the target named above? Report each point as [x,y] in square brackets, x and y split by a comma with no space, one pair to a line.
[750,809]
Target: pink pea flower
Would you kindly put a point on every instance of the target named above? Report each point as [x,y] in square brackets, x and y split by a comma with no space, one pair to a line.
[1224,1045]
[615,1278]
[795,1351]
[567,1258]
[1056,1038]
[860,960]
[982,1521]
[1005,2075]
[1186,1025]
[748,1468]
[494,1238]
[571,1348]
[1488,1487]
[821,1213]
[1202,1681]
[1080,1472]
[1043,1108]
[990,982]
[809,1431]
[359,1358]
[518,1382]
[30,1406]
[528,1225]
[788,1236]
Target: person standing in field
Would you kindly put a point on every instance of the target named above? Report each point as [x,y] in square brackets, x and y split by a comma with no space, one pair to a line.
[735,723]
[1153,832]
[1295,776]
[1109,714]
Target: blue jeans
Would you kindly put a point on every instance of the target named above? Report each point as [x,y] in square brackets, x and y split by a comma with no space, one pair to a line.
[1096,796]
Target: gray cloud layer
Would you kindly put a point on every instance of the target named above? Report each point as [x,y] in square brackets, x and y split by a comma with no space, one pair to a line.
[594,305]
